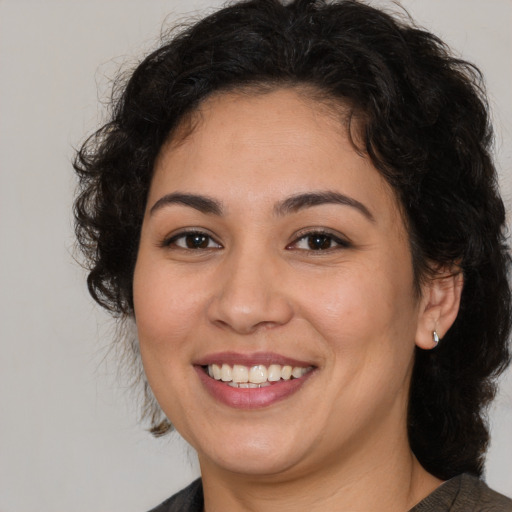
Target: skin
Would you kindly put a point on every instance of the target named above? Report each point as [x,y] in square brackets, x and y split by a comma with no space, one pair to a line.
[350,309]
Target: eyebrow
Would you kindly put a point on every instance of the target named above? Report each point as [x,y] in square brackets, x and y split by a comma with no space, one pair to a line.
[300,201]
[201,203]
[295,203]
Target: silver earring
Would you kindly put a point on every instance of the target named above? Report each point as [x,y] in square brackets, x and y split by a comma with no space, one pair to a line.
[436,338]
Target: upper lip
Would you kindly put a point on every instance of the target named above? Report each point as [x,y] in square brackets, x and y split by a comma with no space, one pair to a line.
[250,359]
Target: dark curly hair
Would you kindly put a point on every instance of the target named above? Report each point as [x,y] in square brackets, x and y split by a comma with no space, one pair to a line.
[423,122]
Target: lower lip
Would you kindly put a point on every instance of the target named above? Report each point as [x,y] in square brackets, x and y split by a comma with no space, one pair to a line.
[251,398]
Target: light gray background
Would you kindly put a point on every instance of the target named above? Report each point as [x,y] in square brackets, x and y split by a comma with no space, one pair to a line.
[69,438]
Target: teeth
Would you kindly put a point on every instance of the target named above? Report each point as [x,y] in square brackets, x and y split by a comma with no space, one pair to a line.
[274,372]
[298,372]
[248,385]
[215,369]
[258,374]
[286,372]
[226,373]
[241,376]
[240,373]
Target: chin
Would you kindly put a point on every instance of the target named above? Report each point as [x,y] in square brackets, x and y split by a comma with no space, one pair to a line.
[254,454]
[252,463]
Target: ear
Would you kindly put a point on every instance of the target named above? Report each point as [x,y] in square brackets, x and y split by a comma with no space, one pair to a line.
[439,306]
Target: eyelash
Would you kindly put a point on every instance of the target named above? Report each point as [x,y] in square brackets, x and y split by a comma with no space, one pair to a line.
[171,242]
[322,236]
[327,236]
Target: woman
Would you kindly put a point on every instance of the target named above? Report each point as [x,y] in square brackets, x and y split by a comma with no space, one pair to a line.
[297,206]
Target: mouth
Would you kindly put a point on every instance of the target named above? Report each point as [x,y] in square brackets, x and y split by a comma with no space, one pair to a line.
[256,376]
[252,381]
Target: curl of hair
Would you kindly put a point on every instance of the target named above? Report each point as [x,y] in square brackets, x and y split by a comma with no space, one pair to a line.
[423,123]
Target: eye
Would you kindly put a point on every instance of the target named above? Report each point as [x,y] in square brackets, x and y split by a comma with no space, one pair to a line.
[318,241]
[192,240]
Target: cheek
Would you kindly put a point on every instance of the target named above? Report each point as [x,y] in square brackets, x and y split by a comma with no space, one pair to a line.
[367,307]
[164,308]
[165,314]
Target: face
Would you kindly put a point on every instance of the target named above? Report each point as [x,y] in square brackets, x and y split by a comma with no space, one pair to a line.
[270,246]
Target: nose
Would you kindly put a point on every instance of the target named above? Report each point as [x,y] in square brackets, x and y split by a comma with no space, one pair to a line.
[250,294]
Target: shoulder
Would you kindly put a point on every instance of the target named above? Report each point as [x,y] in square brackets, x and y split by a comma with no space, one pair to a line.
[189,499]
[484,499]
[464,493]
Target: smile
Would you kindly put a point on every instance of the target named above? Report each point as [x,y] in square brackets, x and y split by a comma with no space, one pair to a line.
[252,381]
[256,376]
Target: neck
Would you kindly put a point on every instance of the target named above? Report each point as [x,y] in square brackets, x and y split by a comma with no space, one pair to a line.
[384,477]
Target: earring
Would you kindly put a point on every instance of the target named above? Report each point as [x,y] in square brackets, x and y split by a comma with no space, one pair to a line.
[436,338]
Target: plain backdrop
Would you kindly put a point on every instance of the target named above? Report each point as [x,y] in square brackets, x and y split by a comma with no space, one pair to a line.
[69,437]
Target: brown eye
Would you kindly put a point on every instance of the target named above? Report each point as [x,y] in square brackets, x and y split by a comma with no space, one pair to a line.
[318,242]
[193,241]
[196,241]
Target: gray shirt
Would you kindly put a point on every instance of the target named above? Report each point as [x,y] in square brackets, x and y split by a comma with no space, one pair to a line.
[463,493]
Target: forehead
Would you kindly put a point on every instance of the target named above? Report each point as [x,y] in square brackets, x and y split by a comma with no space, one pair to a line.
[261,146]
